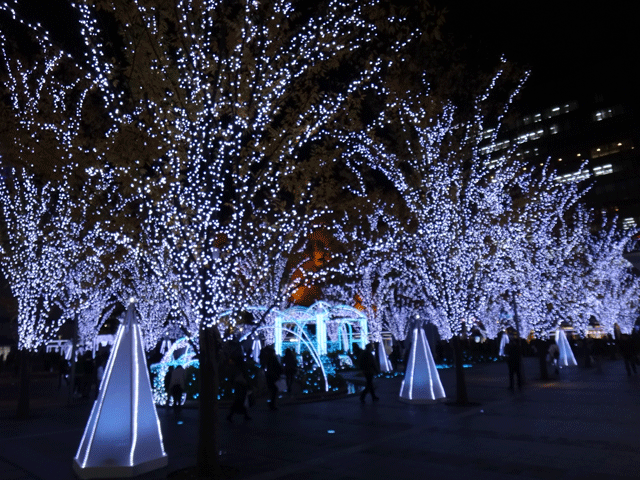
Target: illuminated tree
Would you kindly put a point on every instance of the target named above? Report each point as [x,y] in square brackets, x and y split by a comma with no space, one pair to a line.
[35,219]
[546,231]
[561,271]
[619,303]
[610,291]
[152,304]
[455,181]
[407,308]
[373,266]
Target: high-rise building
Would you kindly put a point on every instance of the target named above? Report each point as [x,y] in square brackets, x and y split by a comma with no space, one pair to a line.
[592,141]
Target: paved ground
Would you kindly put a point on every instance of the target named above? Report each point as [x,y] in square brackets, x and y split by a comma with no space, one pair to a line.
[585,425]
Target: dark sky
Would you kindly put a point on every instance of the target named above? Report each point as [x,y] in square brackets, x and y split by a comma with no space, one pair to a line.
[573,50]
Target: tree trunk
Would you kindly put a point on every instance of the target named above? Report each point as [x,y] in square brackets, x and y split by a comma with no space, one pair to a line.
[22,411]
[208,462]
[72,375]
[541,345]
[461,384]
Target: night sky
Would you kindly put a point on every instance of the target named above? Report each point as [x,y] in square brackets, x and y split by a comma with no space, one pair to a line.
[573,50]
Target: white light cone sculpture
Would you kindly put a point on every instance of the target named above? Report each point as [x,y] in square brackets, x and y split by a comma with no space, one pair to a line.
[504,340]
[385,364]
[256,346]
[421,382]
[122,437]
[566,358]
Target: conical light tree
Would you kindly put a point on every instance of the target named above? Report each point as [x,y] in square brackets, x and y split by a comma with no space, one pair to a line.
[421,383]
[123,436]
[566,358]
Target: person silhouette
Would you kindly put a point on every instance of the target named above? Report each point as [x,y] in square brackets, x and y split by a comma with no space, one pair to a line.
[369,369]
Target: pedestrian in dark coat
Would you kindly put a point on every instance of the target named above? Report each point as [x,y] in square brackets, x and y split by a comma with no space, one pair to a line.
[240,392]
[395,356]
[177,386]
[272,372]
[628,354]
[514,361]
[290,367]
[369,370]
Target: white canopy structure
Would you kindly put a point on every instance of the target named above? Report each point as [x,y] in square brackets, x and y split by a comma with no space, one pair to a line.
[566,358]
[421,382]
[122,437]
[504,340]
[350,323]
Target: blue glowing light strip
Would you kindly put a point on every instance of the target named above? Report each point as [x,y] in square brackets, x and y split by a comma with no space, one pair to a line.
[426,356]
[304,339]
[155,412]
[134,389]
[413,361]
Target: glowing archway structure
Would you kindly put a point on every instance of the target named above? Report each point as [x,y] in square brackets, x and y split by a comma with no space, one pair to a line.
[179,354]
[122,437]
[421,382]
[303,339]
[351,326]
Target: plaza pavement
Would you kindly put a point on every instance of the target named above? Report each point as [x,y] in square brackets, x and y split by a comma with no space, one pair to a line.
[582,425]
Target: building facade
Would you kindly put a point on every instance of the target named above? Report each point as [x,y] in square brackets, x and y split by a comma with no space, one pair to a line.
[593,141]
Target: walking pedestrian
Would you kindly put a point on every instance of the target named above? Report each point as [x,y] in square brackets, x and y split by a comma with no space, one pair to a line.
[272,372]
[290,367]
[369,369]
[176,387]
[628,355]
[63,371]
[514,361]
[240,392]
[553,355]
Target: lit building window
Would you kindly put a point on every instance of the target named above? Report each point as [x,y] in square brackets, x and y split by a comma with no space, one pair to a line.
[611,148]
[488,134]
[605,113]
[529,136]
[559,110]
[573,176]
[603,170]
[495,147]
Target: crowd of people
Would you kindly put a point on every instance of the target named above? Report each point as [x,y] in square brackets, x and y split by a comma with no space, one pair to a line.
[283,374]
